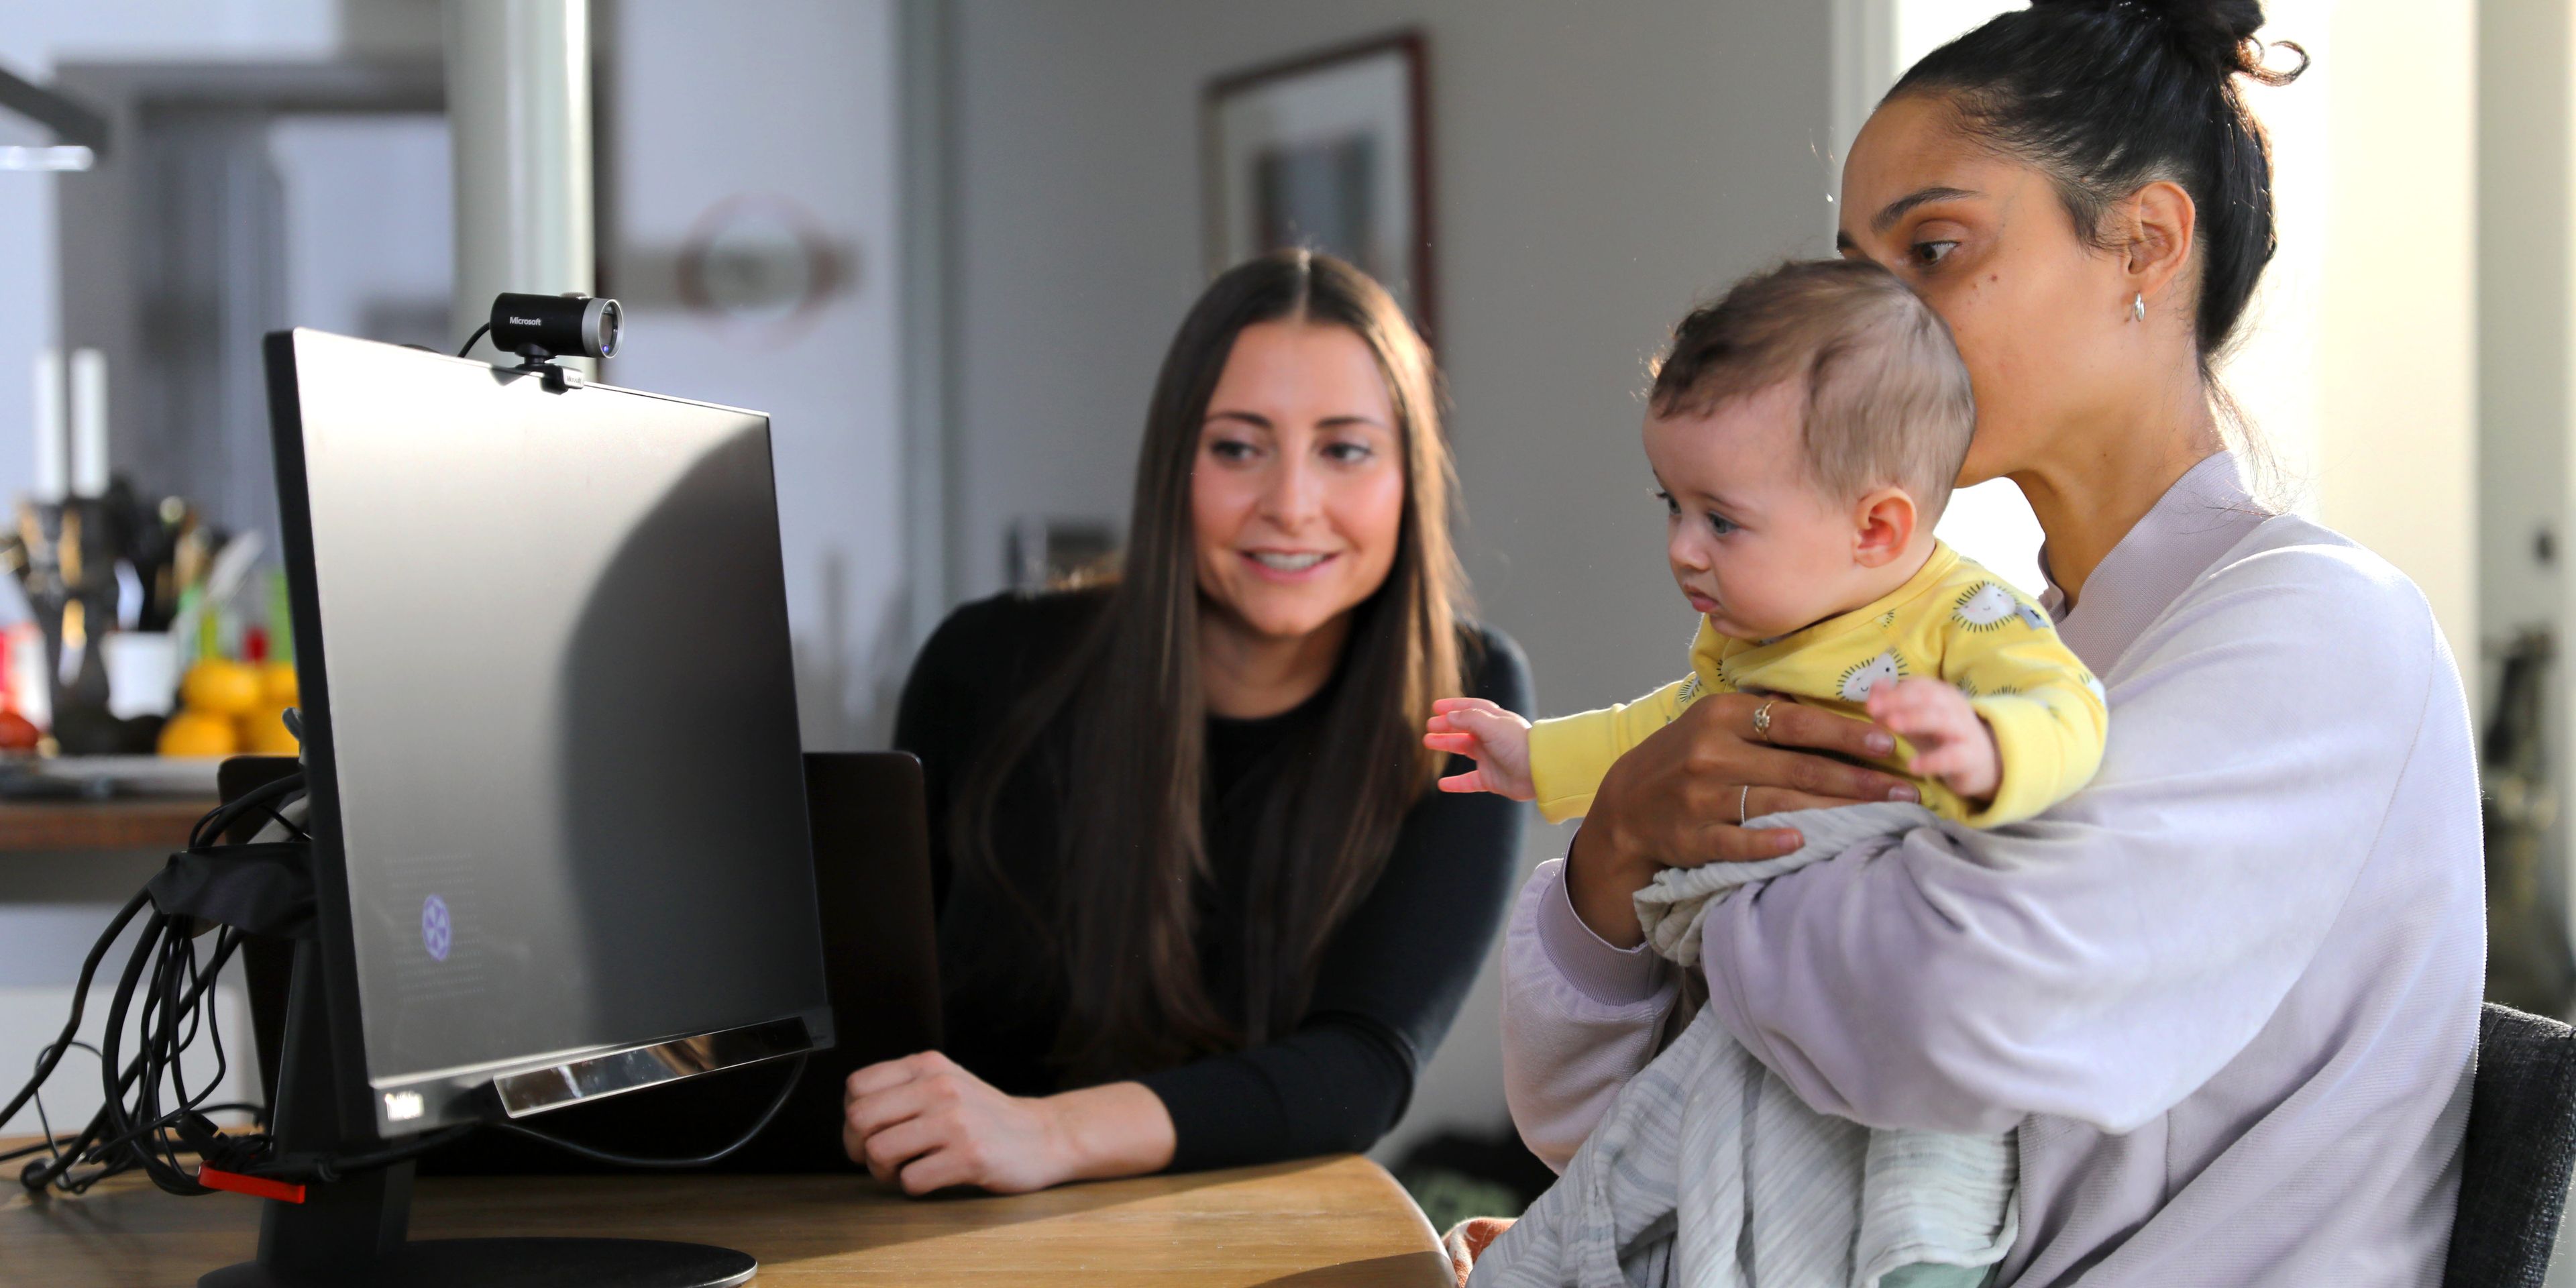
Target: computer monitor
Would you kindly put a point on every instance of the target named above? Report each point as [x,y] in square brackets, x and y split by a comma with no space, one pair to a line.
[557,802]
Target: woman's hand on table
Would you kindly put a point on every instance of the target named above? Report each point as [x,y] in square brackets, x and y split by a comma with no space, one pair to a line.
[925,1124]
[1679,798]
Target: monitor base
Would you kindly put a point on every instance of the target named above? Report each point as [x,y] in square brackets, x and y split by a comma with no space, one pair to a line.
[352,1230]
[516,1263]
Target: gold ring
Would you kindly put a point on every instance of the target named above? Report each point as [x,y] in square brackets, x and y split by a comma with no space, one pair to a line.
[1762,722]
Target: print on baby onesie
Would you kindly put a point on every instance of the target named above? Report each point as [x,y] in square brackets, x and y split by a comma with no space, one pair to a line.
[2032,617]
[1887,620]
[2095,687]
[1985,608]
[1858,681]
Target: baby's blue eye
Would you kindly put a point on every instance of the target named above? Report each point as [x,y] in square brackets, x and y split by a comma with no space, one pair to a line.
[1670,506]
[1720,524]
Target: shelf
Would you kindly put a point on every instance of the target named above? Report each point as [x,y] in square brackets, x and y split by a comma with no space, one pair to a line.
[142,823]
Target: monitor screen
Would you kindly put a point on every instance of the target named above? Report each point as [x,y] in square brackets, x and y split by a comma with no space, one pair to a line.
[551,728]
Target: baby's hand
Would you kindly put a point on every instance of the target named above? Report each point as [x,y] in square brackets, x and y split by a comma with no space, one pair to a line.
[1496,739]
[1951,741]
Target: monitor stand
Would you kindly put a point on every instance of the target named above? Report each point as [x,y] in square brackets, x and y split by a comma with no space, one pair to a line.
[351,1232]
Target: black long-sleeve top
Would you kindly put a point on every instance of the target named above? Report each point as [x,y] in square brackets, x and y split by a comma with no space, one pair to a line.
[1392,976]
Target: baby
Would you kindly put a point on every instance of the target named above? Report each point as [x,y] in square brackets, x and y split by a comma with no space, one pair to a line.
[1805,432]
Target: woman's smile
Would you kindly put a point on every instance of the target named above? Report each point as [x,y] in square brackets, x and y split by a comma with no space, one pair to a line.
[1289,565]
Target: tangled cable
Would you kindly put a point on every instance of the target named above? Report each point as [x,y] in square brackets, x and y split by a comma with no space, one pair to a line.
[150,1117]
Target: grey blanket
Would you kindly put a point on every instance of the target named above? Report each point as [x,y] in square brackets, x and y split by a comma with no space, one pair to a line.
[1708,1172]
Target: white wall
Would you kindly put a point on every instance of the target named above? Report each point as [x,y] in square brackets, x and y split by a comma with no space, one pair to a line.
[2396,379]
[1595,171]
[797,109]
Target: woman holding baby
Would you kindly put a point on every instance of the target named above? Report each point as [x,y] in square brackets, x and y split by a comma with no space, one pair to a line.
[2223,996]
[2228,992]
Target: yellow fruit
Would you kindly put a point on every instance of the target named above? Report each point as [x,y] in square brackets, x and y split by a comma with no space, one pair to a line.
[263,733]
[277,684]
[195,733]
[217,687]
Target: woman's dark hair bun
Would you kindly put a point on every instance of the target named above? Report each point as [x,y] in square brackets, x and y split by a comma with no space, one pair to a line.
[2216,34]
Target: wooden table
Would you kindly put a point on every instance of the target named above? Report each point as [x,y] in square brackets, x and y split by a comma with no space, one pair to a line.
[141,823]
[1322,1221]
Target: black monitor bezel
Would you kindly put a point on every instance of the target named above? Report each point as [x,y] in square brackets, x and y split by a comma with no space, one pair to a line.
[353,1089]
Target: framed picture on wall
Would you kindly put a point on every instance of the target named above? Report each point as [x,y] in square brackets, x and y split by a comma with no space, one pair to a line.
[1329,150]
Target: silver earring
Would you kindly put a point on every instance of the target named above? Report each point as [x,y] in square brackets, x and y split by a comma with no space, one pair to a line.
[2138,307]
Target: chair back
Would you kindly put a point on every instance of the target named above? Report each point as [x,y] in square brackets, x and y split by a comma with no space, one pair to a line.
[2521,1144]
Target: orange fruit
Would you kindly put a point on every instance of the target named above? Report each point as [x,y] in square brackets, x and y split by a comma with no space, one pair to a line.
[195,733]
[218,687]
[264,733]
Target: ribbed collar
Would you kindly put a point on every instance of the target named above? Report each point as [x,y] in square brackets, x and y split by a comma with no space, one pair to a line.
[2201,517]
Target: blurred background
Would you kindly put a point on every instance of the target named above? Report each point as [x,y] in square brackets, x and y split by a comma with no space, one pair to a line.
[944,245]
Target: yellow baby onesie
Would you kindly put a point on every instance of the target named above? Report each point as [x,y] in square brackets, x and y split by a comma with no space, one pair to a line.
[1952,619]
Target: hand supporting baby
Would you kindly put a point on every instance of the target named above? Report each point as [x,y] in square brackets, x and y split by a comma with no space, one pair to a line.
[1952,742]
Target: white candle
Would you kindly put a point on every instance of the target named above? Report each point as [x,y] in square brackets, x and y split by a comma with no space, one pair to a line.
[89,422]
[51,472]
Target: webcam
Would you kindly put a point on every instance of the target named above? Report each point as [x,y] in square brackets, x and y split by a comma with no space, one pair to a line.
[539,327]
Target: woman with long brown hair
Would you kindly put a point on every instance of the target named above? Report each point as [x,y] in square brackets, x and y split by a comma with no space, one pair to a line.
[1198,902]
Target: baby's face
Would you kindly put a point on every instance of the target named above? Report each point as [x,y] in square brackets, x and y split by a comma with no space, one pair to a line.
[1753,544]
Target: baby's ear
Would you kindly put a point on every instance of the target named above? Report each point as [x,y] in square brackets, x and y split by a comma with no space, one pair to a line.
[1882,526]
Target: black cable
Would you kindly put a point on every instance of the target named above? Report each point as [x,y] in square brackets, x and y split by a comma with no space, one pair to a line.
[289,824]
[226,941]
[80,998]
[210,827]
[132,1127]
[133,1130]
[258,1112]
[479,333]
[84,1144]
[134,1137]
[795,1074]
[334,1167]
[171,1045]
[160,1000]
[91,1145]
[50,1142]
[119,1123]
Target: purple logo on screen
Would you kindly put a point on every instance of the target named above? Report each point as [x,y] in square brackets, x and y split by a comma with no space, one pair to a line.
[435,933]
